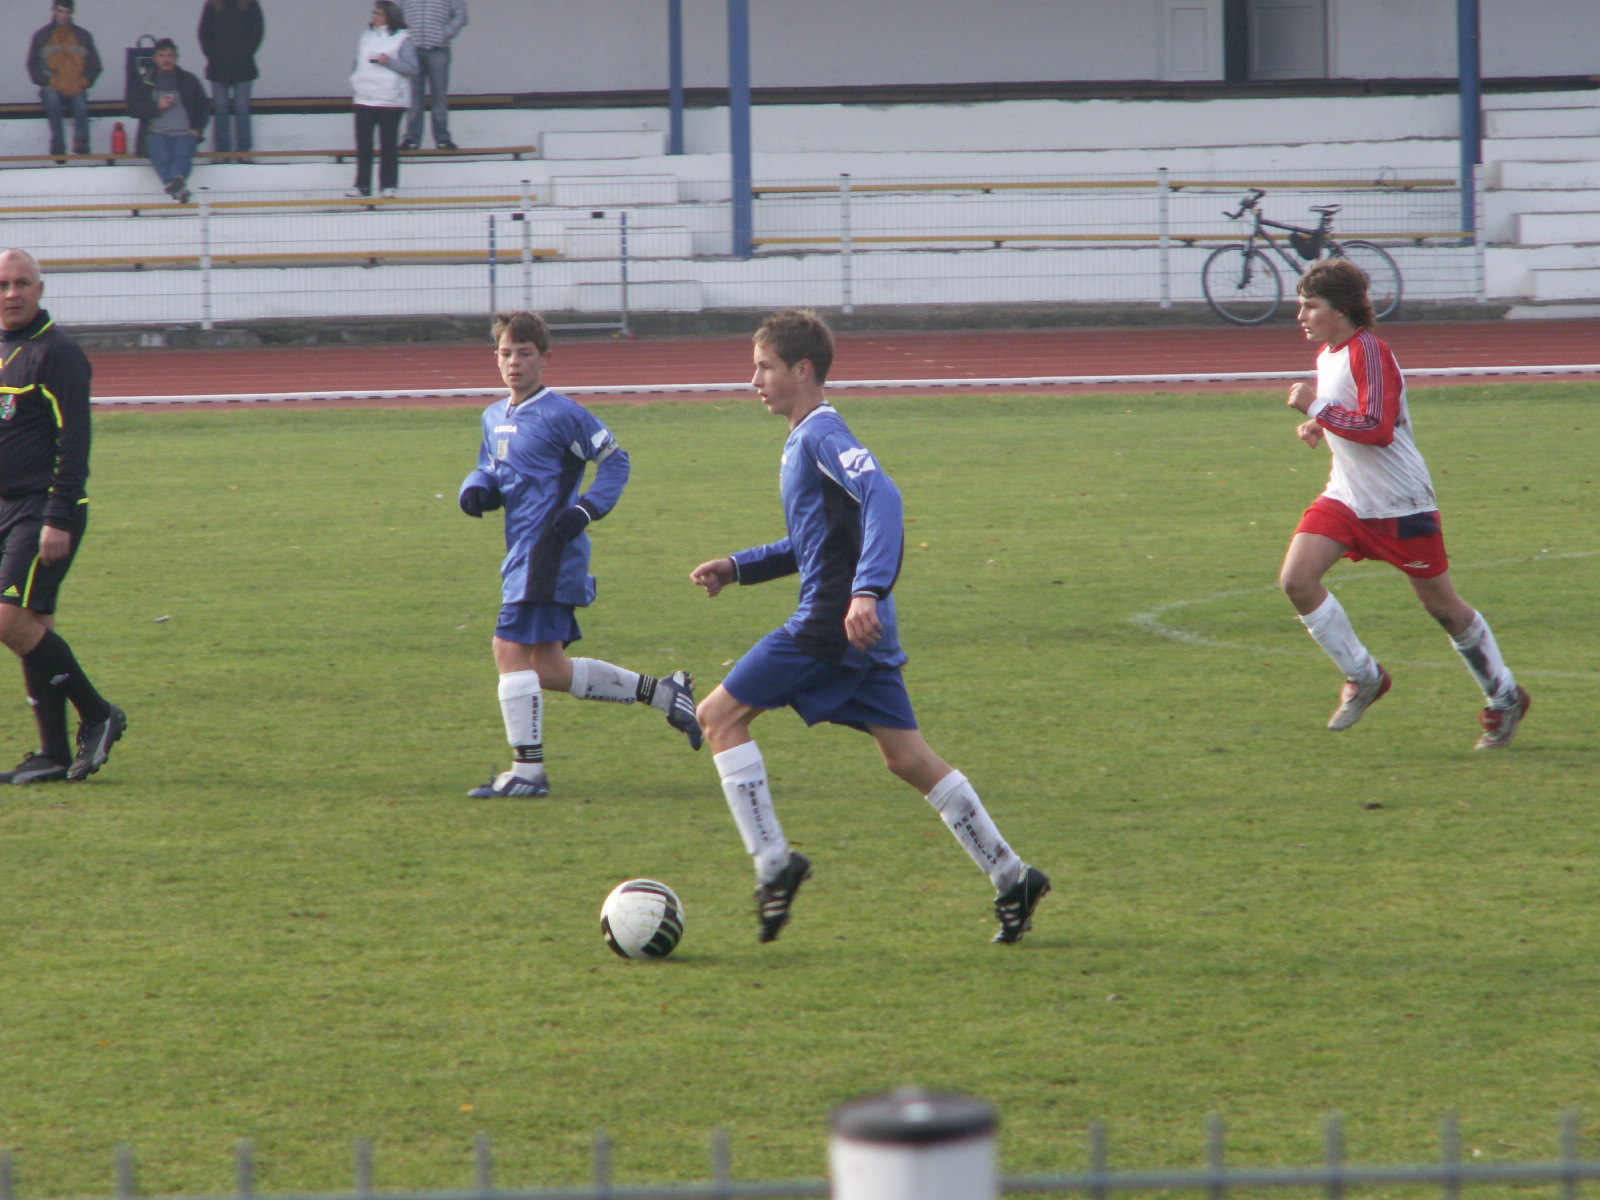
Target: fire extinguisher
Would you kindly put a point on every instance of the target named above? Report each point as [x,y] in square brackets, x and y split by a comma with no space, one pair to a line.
[119,139]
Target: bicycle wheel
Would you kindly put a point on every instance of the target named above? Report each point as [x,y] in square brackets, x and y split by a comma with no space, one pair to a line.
[1383,277]
[1241,284]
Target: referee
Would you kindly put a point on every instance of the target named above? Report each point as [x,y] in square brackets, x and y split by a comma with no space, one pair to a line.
[44,466]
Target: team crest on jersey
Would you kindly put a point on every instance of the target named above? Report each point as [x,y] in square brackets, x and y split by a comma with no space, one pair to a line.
[8,406]
[857,461]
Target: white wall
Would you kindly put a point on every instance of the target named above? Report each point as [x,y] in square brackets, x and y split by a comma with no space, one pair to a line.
[603,45]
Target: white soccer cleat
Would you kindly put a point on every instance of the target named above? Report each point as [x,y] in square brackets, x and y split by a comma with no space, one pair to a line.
[1356,697]
[1500,724]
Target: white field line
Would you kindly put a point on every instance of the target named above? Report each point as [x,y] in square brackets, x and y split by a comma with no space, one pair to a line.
[1027,381]
[1151,620]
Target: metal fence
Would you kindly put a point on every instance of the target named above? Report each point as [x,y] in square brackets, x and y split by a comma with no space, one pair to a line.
[1457,1175]
[596,248]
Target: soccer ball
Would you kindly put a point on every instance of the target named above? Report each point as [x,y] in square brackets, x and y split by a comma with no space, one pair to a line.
[642,919]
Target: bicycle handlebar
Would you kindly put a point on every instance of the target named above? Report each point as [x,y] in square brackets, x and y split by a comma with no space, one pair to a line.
[1245,204]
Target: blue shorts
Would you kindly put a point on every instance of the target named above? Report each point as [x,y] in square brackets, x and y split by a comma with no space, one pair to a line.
[776,673]
[535,624]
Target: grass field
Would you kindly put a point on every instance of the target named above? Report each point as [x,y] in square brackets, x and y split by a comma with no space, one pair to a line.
[275,915]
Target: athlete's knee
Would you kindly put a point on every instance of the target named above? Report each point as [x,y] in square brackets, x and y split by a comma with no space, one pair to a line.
[20,628]
[721,719]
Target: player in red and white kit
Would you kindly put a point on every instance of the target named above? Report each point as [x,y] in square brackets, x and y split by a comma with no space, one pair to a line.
[1379,503]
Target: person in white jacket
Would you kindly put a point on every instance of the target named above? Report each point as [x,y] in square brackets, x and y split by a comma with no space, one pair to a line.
[386,63]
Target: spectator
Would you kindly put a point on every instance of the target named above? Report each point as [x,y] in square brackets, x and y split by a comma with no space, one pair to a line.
[435,24]
[230,35]
[381,84]
[64,63]
[173,110]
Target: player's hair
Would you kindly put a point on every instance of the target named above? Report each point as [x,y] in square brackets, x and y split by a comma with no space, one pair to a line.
[392,16]
[164,44]
[523,327]
[1344,286]
[797,333]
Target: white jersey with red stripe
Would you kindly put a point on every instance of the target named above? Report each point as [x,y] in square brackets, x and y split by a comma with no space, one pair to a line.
[1361,405]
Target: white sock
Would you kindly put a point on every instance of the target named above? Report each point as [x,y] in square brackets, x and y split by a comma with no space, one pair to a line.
[522,707]
[744,783]
[1331,627]
[1481,653]
[955,800]
[596,680]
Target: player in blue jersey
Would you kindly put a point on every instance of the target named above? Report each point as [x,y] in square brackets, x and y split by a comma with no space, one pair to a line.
[537,447]
[838,658]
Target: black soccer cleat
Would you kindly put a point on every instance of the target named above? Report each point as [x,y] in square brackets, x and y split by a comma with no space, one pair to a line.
[1015,908]
[773,899]
[35,768]
[510,785]
[680,709]
[95,739]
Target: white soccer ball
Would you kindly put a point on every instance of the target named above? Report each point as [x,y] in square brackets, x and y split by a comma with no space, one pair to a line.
[642,919]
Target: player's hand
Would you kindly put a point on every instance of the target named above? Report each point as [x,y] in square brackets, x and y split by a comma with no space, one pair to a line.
[861,624]
[571,523]
[54,544]
[714,575]
[1302,395]
[1310,433]
[475,501]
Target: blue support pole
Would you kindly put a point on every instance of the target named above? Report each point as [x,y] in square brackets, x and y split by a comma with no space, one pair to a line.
[1469,66]
[675,74]
[739,126]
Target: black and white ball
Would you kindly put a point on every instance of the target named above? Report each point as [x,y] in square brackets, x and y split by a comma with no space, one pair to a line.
[642,919]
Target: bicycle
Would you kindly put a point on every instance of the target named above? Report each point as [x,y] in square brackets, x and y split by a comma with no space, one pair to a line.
[1242,284]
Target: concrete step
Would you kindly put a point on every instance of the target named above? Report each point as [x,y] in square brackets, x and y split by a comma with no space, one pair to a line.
[572,144]
[1503,101]
[1542,123]
[1543,149]
[1557,228]
[1577,283]
[1555,176]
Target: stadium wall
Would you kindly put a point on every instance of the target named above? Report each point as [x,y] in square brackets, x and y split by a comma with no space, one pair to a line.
[515,47]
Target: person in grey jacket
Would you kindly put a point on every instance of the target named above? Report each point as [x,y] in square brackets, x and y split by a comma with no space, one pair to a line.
[434,25]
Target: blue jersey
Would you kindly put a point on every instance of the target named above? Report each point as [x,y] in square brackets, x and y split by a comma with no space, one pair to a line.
[534,455]
[846,538]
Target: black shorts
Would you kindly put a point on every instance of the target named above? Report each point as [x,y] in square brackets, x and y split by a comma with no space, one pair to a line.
[24,580]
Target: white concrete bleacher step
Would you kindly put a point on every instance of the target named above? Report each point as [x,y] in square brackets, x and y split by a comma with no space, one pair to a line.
[590,144]
[658,295]
[1542,122]
[1558,228]
[1517,175]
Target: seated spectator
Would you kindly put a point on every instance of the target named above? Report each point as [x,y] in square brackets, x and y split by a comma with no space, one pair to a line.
[64,63]
[173,110]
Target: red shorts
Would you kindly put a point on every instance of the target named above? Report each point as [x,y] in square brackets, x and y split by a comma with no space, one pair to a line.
[1414,543]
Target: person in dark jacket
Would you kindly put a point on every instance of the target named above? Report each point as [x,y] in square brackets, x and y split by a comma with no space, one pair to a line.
[64,63]
[44,510]
[230,34]
[173,110]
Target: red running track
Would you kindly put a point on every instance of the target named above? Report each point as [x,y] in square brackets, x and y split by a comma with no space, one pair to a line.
[654,363]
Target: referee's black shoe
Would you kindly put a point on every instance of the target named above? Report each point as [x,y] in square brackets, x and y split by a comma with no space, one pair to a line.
[1015,907]
[36,768]
[95,739]
[773,899]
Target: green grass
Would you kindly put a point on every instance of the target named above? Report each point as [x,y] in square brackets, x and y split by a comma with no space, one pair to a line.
[276,916]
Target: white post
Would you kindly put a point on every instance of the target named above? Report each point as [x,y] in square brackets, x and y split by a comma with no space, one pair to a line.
[526,216]
[848,290]
[914,1145]
[1164,207]
[205,259]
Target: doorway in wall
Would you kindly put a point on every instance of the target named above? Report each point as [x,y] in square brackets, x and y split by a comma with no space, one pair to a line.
[1275,39]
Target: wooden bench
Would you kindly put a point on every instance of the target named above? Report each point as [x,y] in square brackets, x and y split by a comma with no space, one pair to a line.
[334,203]
[470,256]
[1053,185]
[996,241]
[337,155]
